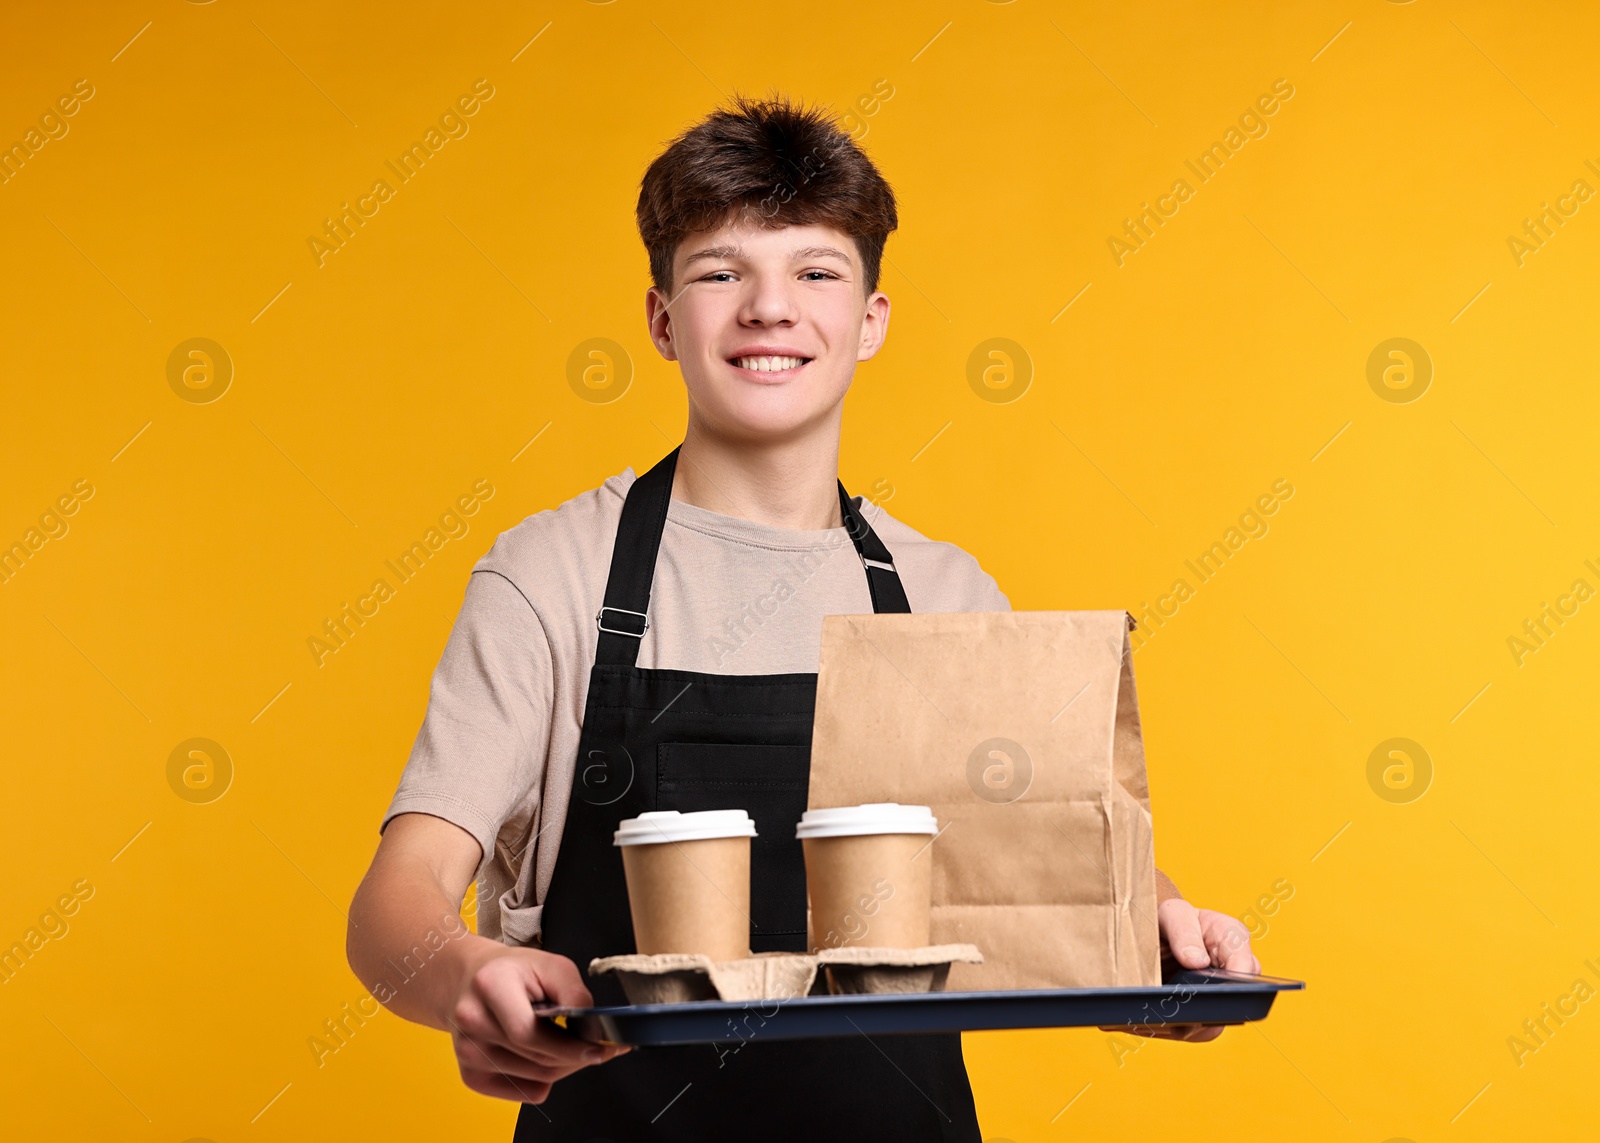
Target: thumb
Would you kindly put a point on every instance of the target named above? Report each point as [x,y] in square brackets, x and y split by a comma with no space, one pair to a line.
[1180,925]
[556,980]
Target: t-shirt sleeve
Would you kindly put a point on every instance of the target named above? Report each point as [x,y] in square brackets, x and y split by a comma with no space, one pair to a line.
[486,734]
[979,591]
[997,600]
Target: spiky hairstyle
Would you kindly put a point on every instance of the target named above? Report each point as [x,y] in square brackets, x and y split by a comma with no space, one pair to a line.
[773,163]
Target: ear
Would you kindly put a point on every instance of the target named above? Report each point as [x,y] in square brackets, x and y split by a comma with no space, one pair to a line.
[874,326]
[658,317]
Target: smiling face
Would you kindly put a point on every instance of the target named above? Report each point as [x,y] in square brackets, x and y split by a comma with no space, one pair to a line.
[767,326]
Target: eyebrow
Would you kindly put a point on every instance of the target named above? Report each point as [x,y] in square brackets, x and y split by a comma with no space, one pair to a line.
[726,251]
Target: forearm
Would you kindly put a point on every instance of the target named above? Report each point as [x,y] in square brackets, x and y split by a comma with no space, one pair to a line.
[407,942]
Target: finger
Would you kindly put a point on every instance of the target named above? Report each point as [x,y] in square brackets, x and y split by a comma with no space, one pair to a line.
[1230,948]
[506,990]
[1196,1033]
[1243,961]
[1149,1031]
[1154,1031]
[509,997]
[473,1020]
[474,1056]
[560,982]
[1188,1033]
[501,1087]
[1180,924]
[554,1048]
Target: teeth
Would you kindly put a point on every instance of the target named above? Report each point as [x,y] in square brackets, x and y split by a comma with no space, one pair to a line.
[769,364]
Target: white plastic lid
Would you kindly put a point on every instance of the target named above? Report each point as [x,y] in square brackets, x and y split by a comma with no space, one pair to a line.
[656,826]
[874,817]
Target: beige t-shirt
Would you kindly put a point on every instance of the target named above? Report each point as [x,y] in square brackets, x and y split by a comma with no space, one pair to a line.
[499,744]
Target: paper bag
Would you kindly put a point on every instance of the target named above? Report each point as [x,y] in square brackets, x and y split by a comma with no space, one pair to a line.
[1021,730]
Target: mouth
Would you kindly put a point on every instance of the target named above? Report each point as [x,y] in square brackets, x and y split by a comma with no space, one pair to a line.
[769,367]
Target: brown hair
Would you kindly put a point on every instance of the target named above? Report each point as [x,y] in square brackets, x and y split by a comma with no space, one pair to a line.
[777,163]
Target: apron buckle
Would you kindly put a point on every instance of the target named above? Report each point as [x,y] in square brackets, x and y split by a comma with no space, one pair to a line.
[599,619]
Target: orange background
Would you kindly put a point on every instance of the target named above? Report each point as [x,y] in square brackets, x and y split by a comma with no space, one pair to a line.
[1432,911]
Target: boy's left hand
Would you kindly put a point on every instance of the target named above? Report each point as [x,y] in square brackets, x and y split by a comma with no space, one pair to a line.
[1204,938]
[1197,938]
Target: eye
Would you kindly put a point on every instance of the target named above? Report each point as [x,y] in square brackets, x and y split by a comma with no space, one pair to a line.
[718,275]
[826,274]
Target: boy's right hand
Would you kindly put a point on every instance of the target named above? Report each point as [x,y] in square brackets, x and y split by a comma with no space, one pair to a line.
[483,992]
[502,1048]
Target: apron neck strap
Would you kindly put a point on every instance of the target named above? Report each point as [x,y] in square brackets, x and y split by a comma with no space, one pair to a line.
[623,617]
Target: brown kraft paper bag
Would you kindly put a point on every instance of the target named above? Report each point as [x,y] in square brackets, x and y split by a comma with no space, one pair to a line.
[1021,730]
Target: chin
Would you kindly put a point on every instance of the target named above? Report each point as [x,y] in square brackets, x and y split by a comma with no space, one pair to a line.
[760,418]
[767,412]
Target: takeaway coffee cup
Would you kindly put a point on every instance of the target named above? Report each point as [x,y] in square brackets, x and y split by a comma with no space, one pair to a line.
[689,881]
[869,881]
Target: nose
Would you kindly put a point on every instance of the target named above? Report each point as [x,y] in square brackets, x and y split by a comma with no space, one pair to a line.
[768,301]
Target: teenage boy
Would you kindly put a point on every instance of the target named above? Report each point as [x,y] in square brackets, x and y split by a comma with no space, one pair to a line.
[653,643]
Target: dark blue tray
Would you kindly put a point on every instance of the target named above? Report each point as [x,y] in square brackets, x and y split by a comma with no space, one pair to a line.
[1209,996]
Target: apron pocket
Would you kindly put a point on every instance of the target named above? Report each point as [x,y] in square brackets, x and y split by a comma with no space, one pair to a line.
[769,783]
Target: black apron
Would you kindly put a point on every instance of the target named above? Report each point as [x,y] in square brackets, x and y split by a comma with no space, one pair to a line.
[658,739]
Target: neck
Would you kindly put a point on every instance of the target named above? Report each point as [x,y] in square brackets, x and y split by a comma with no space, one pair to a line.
[792,484]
